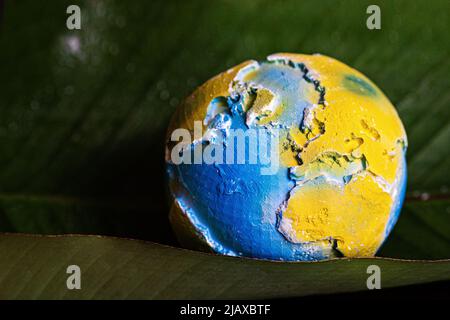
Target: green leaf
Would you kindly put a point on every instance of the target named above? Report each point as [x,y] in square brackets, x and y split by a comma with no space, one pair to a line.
[35,268]
[422,232]
[83,115]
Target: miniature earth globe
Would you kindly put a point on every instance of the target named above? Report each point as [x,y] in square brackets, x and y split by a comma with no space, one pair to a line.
[296,157]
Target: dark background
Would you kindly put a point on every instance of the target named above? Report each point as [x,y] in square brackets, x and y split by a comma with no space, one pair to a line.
[83,113]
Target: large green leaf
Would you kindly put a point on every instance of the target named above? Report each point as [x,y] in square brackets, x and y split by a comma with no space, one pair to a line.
[35,267]
[83,114]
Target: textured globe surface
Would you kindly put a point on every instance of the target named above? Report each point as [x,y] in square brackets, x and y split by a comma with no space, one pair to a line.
[341,178]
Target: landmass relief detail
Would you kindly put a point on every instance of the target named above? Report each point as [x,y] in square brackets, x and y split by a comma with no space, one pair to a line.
[340,181]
